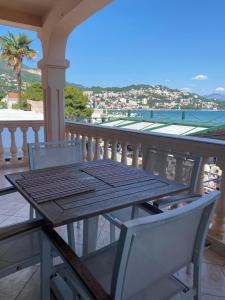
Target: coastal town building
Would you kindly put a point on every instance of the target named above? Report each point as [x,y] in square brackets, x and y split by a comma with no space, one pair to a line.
[11,99]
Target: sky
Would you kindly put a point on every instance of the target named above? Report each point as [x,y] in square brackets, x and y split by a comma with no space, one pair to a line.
[177,43]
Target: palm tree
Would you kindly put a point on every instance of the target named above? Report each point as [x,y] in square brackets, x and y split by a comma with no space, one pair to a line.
[14,49]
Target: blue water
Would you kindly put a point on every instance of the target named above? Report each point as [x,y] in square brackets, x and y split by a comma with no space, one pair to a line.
[208,117]
[196,116]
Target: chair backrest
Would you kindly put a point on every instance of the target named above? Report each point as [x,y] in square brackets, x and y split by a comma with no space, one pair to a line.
[19,246]
[183,168]
[154,247]
[51,154]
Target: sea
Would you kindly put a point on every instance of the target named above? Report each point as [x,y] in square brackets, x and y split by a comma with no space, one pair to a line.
[212,118]
[209,117]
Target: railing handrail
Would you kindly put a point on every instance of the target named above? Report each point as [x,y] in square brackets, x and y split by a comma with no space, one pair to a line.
[197,145]
[20,123]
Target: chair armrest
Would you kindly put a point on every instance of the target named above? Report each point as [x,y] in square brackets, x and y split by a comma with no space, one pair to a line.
[68,255]
[151,208]
[176,199]
[7,190]
[19,228]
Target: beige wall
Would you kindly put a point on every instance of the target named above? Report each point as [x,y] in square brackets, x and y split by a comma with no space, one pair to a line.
[36,106]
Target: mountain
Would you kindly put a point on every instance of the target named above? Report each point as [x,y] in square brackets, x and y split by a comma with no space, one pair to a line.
[143,95]
[8,79]
[215,96]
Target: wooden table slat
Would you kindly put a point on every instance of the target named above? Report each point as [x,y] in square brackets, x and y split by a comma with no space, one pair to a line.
[114,194]
[106,190]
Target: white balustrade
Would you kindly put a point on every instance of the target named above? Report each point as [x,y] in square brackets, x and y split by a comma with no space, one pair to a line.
[114,149]
[14,154]
[139,141]
[89,152]
[124,153]
[136,149]
[97,148]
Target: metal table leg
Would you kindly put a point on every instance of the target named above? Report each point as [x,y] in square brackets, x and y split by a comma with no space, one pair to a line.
[45,267]
[90,231]
[71,236]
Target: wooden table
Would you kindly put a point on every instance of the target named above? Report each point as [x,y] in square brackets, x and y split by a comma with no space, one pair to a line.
[105,198]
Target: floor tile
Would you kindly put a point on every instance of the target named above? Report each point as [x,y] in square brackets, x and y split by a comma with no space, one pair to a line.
[11,285]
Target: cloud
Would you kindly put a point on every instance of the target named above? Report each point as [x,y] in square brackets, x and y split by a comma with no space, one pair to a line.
[220,90]
[200,77]
[167,80]
[186,89]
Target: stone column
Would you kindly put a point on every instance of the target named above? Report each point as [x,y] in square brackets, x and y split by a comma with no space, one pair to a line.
[53,81]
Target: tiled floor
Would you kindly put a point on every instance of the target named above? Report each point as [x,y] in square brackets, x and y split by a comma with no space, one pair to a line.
[24,285]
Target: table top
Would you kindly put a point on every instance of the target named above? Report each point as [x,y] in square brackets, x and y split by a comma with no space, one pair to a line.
[105,194]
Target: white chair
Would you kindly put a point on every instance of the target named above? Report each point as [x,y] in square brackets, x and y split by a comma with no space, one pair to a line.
[145,262]
[182,168]
[53,154]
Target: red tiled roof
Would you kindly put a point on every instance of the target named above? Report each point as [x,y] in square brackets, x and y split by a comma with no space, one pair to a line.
[13,95]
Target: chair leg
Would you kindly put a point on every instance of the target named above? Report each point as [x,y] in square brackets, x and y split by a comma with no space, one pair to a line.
[78,224]
[134,213]
[71,236]
[197,280]
[112,233]
[90,233]
[45,267]
[31,213]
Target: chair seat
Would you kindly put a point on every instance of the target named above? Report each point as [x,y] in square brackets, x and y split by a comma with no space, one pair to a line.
[101,263]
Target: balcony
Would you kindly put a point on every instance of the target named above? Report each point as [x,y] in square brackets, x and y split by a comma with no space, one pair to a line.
[100,142]
[54,22]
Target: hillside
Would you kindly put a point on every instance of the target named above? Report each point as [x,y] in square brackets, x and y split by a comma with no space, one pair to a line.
[132,96]
[8,79]
[216,96]
[148,96]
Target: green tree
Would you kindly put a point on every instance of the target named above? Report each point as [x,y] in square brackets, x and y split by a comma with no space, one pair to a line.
[14,49]
[32,92]
[76,104]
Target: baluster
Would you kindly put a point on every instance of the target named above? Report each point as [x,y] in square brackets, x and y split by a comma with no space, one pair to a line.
[124,153]
[179,169]
[89,154]
[200,180]
[67,134]
[217,231]
[1,148]
[36,135]
[114,150]
[84,149]
[72,134]
[13,148]
[24,148]
[77,137]
[106,149]
[97,149]
[135,155]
